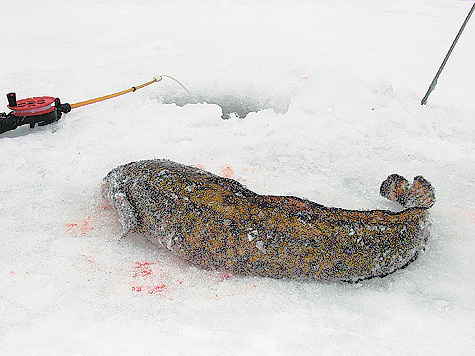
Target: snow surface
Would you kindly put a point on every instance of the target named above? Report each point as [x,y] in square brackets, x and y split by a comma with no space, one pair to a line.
[332,89]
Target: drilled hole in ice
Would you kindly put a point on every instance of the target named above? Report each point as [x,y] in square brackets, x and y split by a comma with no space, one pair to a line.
[231,104]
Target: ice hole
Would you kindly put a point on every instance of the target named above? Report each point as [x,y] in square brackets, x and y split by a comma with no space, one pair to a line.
[238,104]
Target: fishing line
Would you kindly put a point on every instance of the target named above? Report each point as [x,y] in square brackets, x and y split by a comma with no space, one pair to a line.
[194,97]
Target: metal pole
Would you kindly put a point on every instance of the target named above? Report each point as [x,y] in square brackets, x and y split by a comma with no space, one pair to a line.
[434,81]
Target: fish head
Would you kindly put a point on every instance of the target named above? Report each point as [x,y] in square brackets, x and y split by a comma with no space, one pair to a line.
[115,189]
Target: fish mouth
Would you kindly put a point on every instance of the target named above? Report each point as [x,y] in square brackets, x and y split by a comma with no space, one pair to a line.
[113,182]
[113,190]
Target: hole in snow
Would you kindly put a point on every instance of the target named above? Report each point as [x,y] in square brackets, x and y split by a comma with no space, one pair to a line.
[235,103]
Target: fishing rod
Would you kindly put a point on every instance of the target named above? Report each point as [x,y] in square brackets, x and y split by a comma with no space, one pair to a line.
[46,109]
[444,62]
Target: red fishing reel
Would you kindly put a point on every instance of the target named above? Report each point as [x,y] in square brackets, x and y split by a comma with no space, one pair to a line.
[31,106]
[33,111]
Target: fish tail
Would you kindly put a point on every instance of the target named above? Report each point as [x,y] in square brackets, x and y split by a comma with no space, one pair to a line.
[419,194]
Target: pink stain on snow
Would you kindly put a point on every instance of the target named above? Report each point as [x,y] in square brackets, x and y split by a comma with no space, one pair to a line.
[222,276]
[104,205]
[142,269]
[147,280]
[227,171]
[156,289]
[250,170]
[79,228]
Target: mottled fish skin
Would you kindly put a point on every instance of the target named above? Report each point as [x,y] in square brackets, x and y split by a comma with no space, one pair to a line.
[217,223]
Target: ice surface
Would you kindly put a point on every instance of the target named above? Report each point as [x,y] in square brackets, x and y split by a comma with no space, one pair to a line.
[335,89]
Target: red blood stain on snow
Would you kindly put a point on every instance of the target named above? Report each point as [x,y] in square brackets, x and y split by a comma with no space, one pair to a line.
[80,228]
[227,171]
[104,205]
[469,214]
[250,170]
[89,260]
[29,272]
[147,279]
[83,261]
[142,269]
[159,288]
[156,289]
[136,288]
[222,276]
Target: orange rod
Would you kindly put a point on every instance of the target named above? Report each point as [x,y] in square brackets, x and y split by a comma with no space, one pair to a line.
[92,101]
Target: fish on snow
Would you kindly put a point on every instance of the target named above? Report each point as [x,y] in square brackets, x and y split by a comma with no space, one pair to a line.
[218,223]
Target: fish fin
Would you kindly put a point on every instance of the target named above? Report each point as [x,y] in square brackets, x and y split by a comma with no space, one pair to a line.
[419,194]
[126,213]
[395,188]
